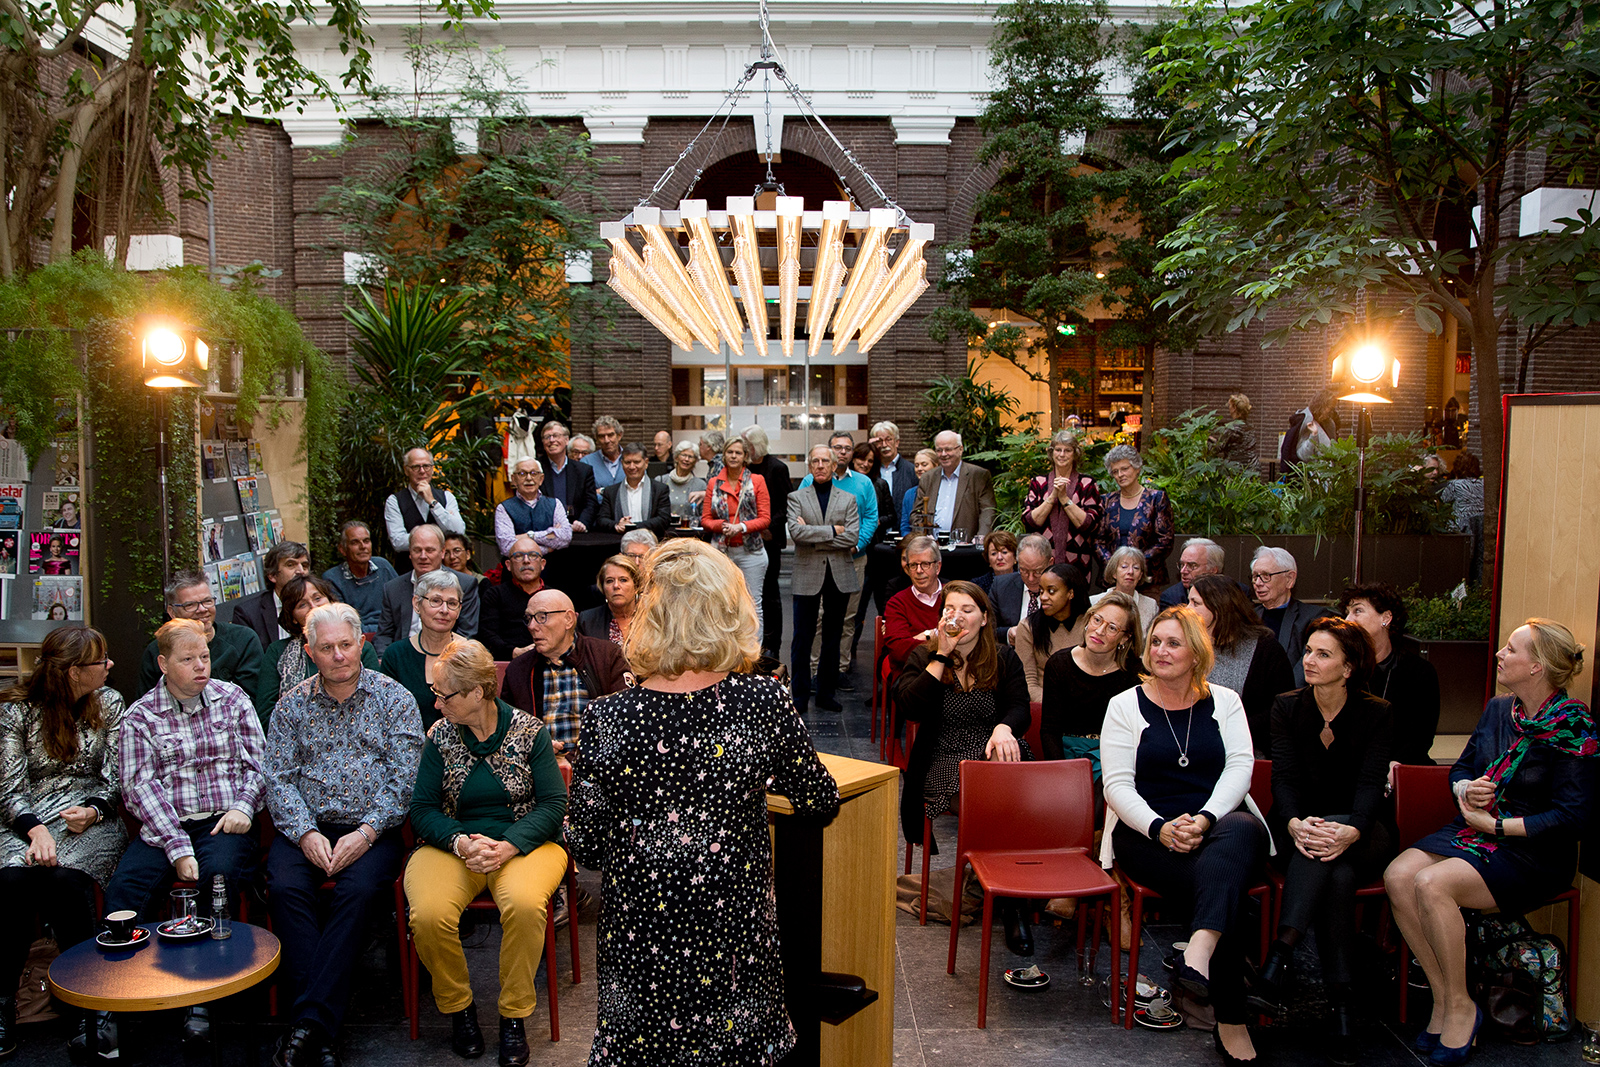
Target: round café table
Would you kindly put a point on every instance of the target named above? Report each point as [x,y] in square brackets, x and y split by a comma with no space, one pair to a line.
[164,974]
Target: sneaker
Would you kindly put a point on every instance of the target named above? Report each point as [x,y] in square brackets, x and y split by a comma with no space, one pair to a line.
[1030,977]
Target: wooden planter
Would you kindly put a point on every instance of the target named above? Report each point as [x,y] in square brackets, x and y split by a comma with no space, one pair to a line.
[1466,669]
[1435,563]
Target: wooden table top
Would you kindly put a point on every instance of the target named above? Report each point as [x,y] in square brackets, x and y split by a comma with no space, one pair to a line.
[164,974]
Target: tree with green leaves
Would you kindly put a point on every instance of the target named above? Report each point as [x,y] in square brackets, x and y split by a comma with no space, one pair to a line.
[79,114]
[1358,159]
[1055,236]
[492,228]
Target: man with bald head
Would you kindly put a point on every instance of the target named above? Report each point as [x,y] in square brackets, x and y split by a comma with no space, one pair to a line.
[500,625]
[563,671]
[954,495]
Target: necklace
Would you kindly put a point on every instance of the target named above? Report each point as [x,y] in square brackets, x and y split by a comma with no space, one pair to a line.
[1183,749]
[424,648]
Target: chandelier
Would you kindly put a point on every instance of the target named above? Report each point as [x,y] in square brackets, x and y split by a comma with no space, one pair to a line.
[691,271]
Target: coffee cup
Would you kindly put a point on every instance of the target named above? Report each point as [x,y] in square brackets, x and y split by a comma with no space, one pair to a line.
[120,924]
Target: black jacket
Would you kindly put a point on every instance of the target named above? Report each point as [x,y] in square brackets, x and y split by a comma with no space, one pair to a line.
[1411,686]
[776,473]
[596,622]
[500,624]
[581,499]
[1347,778]
[258,613]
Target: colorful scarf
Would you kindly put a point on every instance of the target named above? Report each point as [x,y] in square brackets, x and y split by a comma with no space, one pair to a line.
[1563,723]
[747,509]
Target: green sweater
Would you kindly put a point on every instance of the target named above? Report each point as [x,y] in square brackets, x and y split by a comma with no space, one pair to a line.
[410,668]
[270,686]
[484,806]
[235,657]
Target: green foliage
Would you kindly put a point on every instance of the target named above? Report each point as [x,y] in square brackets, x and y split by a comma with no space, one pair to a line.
[1444,618]
[976,410]
[35,368]
[417,391]
[1209,495]
[492,228]
[1399,498]
[1017,460]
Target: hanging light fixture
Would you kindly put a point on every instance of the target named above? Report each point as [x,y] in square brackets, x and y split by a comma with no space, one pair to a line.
[680,269]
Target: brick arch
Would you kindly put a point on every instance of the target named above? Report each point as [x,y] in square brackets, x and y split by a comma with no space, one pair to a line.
[720,143]
[964,201]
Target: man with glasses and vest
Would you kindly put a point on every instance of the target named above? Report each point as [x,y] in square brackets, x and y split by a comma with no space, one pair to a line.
[528,511]
[418,503]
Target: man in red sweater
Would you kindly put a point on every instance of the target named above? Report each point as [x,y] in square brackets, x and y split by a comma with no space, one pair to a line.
[911,614]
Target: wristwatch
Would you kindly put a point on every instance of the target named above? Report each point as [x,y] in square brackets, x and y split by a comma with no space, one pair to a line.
[1499,826]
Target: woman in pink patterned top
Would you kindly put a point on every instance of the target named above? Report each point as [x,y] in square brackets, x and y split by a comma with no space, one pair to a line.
[1064,505]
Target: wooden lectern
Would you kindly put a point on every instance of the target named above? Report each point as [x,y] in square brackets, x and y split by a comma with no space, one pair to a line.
[835,895]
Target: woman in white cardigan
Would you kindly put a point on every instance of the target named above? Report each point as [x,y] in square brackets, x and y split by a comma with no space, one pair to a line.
[1177,762]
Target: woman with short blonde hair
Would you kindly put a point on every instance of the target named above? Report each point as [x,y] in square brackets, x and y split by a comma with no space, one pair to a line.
[719,633]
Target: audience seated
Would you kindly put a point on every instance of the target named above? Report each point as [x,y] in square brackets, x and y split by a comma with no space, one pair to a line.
[1000,553]
[1056,626]
[620,587]
[235,650]
[1272,575]
[564,670]
[427,554]
[361,577]
[501,626]
[286,664]
[1125,573]
[912,613]
[1200,556]
[284,561]
[1402,676]
[1247,658]
[410,661]
[1016,595]
[458,556]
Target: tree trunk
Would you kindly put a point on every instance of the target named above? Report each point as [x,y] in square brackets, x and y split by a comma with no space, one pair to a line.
[1053,374]
[83,123]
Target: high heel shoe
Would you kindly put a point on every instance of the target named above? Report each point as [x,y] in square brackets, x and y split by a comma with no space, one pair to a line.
[1445,1055]
[1228,1058]
[1426,1042]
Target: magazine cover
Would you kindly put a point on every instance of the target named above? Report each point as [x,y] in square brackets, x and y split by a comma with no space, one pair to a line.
[238,459]
[277,525]
[59,511]
[255,457]
[55,552]
[13,460]
[13,498]
[264,528]
[252,575]
[66,463]
[211,538]
[214,581]
[213,459]
[252,534]
[57,598]
[9,553]
[247,494]
[231,574]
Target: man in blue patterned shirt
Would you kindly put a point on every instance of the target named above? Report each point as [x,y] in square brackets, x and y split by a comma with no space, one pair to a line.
[342,756]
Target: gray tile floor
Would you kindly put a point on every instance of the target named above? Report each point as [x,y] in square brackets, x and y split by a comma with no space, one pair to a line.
[935,1013]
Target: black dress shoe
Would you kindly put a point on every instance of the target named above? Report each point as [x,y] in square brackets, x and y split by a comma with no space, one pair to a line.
[300,1047]
[466,1037]
[1266,992]
[513,1043]
[845,684]
[828,703]
[327,1056]
[1342,1051]
[197,1027]
[1019,935]
[1191,980]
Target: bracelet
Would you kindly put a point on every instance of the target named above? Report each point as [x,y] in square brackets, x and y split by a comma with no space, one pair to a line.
[455,845]
[1499,826]
[940,657]
[362,830]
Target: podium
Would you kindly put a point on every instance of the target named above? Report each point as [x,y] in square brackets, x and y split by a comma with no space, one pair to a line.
[835,900]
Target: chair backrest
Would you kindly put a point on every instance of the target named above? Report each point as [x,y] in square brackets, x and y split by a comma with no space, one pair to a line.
[1033,805]
[1422,801]
[1032,736]
[1261,785]
[880,639]
[500,666]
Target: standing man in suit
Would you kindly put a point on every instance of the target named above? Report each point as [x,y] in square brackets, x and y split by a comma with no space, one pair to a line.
[894,470]
[864,489]
[567,480]
[419,502]
[284,561]
[956,495]
[398,621]
[1272,576]
[636,500]
[1016,595]
[824,524]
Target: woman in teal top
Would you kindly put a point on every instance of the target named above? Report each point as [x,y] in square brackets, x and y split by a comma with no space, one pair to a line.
[488,807]
[287,664]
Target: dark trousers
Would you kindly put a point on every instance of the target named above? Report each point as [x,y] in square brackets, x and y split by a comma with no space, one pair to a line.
[322,945]
[772,600]
[805,628]
[1322,896]
[62,896]
[1211,883]
[144,873]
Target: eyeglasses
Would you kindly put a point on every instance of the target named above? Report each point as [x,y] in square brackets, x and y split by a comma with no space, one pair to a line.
[196,607]
[1098,621]
[445,696]
[913,565]
[523,557]
[419,466]
[535,473]
[1032,572]
[1266,576]
[94,663]
[539,618]
[437,602]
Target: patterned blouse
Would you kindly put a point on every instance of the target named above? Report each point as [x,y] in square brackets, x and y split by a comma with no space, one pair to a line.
[1151,531]
[1073,544]
[749,505]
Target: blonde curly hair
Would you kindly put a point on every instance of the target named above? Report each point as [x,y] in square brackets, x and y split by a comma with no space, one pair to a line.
[695,614]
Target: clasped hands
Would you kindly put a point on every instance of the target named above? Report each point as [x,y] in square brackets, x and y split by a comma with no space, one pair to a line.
[1316,838]
[1474,800]
[1185,833]
[484,855]
[335,857]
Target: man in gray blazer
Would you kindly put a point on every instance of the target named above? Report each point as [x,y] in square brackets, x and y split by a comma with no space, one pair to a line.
[954,495]
[427,554]
[1272,576]
[824,526]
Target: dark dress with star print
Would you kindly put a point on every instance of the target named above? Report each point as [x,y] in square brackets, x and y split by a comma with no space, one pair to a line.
[669,800]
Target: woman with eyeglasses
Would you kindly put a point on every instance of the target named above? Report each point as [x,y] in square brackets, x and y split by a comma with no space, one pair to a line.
[619,585]
[458,556]
[287,664]
[437,603]
[488,806]
[58,795]
[1125,573]
[1064,504]
[1079,682]
[1057,625]
[1248,658]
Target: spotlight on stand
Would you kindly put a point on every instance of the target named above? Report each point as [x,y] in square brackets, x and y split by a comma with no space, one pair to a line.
[173,357]
[1364,372]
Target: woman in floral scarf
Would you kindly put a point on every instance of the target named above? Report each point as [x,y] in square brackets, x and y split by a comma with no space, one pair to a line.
[1524,784]
[735,512]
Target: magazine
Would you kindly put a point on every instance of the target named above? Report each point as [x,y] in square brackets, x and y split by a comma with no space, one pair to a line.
[277,525]
[230,573]
[66,464]
[247,495]
[252,575]
[13,460]
[264,534]
[57,598]
[55,552]
[13,500]
[255,457]
[9,539]
[214,581]
[61,509]
[213,460]
[211,538]
[252,534]
[238,459]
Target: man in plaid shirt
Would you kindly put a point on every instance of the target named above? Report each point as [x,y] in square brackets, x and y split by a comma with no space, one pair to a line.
[190,758]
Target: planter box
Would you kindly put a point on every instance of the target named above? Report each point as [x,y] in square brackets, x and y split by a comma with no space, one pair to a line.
[1436,563]
[1466,669]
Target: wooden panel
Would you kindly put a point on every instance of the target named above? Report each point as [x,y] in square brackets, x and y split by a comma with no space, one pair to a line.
[858,923]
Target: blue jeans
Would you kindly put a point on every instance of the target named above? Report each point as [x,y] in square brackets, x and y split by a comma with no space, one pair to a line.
[144,872]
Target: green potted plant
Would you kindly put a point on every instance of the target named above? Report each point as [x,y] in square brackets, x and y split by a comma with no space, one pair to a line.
[1454,633]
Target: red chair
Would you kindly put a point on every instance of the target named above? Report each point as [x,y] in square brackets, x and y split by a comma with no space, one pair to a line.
[1422,803]
[1032,735]
[927,851]
[500,666]
[1026,829]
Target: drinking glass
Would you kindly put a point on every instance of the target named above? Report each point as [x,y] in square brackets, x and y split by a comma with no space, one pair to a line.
[185,909]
